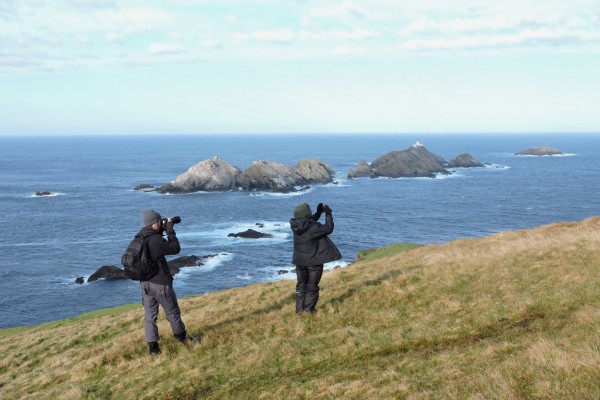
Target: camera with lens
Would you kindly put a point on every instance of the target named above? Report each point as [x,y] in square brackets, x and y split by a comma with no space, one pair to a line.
[163,222]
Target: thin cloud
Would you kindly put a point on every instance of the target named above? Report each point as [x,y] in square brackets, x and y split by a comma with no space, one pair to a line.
[91,4]
[340,35]
[275,36]
[531,38]
[344,10]
[75,28]
[166,48]
[345,50]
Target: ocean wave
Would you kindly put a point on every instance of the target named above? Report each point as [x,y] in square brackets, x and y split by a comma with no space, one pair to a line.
[280,231]
[36,196]
[244,277]
[300,191]
[340,182]
[437,177]
[287,272]
[442,176]
[57,242]
[335,265]
[209,265]
[497,166]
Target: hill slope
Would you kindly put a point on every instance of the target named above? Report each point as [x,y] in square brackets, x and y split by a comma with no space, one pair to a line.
[513,315]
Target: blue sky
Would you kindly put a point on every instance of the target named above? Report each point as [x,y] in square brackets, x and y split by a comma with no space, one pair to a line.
[260,66]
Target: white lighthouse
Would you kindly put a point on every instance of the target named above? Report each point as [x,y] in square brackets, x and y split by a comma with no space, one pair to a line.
[418,144]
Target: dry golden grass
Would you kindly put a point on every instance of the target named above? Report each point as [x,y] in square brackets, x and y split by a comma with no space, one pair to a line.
[515,315]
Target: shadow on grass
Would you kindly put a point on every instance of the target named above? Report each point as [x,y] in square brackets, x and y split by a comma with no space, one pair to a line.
[351,292]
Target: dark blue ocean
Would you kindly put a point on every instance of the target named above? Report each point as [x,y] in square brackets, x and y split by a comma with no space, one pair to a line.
[50,241]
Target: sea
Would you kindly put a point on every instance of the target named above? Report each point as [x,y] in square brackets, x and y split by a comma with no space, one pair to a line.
[94,211]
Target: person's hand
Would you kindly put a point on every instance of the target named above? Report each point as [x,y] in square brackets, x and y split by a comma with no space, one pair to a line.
[320,208]
[327,209]
[169,227]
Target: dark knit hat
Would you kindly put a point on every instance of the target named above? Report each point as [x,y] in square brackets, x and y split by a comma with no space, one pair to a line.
[302,211]
[150,217]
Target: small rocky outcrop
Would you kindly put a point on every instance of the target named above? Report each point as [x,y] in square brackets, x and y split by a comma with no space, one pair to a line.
[285,271]
[465,161]
[108,272]
[539,151]
[43,193]
[362,169]
[416,161]
[79,280]
[188,261]
[251,234]
[144,187]
[214,175]
[270,176]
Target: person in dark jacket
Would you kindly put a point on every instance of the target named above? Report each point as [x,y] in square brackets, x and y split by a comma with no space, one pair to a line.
[312,249]
[159,289]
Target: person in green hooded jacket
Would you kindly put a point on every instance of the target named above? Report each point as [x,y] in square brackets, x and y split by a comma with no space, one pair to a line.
[312,249]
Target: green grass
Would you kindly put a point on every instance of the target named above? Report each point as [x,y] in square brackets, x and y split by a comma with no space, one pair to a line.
[112,311]
[387,251]
[511,316]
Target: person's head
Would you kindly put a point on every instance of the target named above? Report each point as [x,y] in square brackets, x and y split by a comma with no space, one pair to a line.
[151,219]
[302,211]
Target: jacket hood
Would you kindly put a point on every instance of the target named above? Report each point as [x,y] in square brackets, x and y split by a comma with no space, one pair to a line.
[147,231]
[300,225]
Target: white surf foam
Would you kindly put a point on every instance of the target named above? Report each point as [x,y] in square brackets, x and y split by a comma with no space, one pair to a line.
[300,191]
[244,277]
[209,265]
[35,196]
[279,229]
[497,166]
[276,273]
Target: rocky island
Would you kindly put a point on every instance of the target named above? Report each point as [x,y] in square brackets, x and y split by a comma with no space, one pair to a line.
[216,175]
[539,151]
[416,161]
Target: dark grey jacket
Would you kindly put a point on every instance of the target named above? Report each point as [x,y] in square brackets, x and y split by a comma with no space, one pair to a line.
[311,244]
[159,248]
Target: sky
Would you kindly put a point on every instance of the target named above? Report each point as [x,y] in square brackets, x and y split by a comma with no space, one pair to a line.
[80,67]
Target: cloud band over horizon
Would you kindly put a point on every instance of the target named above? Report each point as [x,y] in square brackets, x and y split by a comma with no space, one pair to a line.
[325,39]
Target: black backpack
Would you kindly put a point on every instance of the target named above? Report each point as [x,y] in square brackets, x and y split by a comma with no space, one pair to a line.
[137,262]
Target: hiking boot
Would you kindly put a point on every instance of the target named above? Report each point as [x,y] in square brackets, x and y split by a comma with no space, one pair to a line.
[154,349]
[185,338]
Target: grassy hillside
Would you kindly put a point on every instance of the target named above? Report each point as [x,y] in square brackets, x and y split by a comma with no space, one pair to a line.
[512,316]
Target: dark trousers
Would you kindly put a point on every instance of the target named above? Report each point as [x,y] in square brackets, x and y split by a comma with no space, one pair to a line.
[152,296]
[307,287]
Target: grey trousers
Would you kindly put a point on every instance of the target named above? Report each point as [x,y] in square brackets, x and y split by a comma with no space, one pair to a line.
[152,296]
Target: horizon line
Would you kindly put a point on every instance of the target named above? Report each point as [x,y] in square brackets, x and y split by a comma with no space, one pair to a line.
[312,133]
